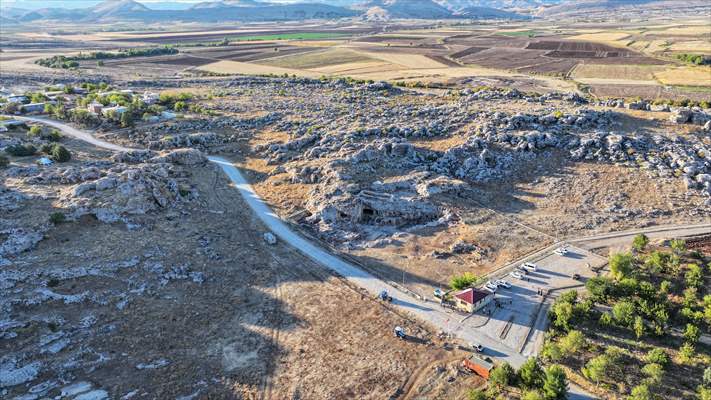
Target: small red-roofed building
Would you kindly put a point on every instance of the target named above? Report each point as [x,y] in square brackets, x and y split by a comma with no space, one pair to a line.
[472,299]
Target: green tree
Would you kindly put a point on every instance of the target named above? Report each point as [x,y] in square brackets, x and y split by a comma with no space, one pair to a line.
[623,311]
[706,379]
[37,98]
[179,106]
[60,153]
[678,246]
[476,394]
[694,276]
[573,342]
[532,395]
[665,287]
[126,119]
[551,351]
[57,218]
[640,242]
[35,130]
[502,375]
[687,352]
[621,265]
[606,319]
[657,356]
[600,288]
[555,383]
[562,313]
[597,368]
[570,296]
[638,327]
[641,392]
[531,373]
[692,334]
[654,374]
[463,281]
[704,393]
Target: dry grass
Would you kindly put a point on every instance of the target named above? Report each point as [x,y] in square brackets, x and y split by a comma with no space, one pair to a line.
[413,61]
[617,39]
[317,59]
[616,72]
[686,76]
[242,68]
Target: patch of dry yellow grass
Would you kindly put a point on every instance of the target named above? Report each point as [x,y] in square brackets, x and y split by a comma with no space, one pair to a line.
[695,46]
[242,68]
[617,39]
[616,72]
[685,76]
[413,61]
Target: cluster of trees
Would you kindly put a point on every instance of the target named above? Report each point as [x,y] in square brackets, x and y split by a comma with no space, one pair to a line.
[66,62]
[463,281]
[536,382]
[696,59]
[646,293]
[683,103]
[53,135]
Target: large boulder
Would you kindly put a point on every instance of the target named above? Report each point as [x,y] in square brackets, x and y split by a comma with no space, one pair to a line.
[182,157]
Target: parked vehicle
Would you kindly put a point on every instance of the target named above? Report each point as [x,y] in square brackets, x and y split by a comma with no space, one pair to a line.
[399,332]
[576,277]
[492,285]
[516,274]
[491,290]
[477,347]
[384,296]
[502,283]
[561,251]
[529,267]
[438,293]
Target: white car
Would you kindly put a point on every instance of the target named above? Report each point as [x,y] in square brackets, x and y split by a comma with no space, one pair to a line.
[492,285]
[502,283]
[530,267]
[479,348]
[490,289]
[561,251]
[516,274]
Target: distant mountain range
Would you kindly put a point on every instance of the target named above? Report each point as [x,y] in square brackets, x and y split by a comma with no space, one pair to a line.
[256,10]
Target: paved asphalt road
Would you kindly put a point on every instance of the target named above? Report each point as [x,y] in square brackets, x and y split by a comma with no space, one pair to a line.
[423,309]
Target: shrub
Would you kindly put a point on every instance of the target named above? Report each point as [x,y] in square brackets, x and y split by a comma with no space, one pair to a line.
[573,342]
[606,319]
[641,392]
[640,242]
[687,352]
[694,276]
[657,356]
[35,130]
[20,150]
[60,153]
[476,394]
[623,312]
[678,245]
[692,333]
[654,374]
[57,218]
[532,395]
[463,281]
[551,351]
[638,327]
[54,136]
[600,288]
[561,314]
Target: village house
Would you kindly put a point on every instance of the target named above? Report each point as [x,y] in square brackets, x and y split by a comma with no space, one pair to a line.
[471,300]
[33,108]
[150,98]
[478,366]
[17,98]
[94,107]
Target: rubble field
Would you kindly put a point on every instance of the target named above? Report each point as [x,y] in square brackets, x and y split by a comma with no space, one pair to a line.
[159,284]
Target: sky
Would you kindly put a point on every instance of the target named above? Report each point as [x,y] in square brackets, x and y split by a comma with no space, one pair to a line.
[154,4]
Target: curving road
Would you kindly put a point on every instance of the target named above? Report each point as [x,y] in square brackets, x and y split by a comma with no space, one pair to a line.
[465,329]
